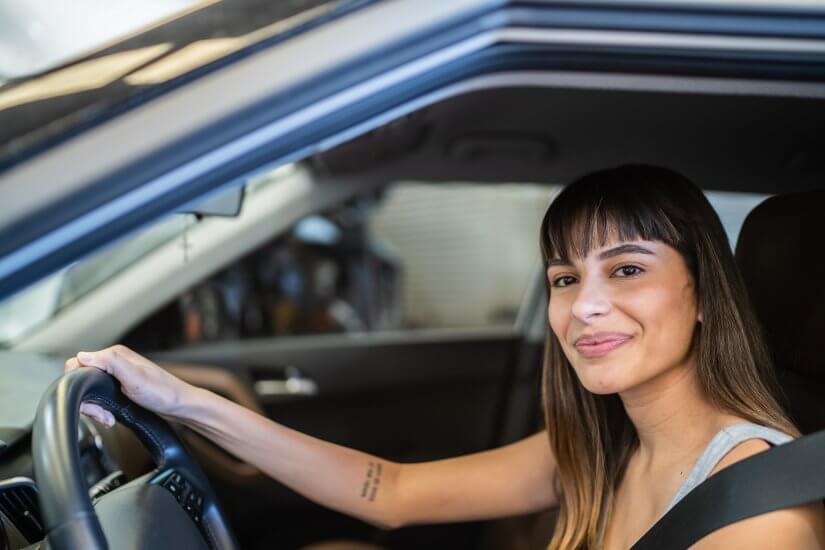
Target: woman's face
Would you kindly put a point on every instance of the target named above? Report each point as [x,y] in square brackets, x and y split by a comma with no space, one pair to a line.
[624,314]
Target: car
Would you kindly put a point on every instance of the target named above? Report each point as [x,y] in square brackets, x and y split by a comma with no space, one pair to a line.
[328,212]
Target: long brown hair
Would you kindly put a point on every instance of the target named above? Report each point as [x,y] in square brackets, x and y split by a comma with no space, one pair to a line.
[591,435]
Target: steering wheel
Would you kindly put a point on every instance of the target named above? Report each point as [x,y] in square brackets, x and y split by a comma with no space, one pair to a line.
[172,507]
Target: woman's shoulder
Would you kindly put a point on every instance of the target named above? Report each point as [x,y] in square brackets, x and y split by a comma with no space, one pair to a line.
[799,527]
[741,451]
[745,439]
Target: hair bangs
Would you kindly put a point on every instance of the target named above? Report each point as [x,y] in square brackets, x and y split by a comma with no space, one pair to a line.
[593,216]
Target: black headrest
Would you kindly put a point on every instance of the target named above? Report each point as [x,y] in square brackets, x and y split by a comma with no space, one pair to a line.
[782,258]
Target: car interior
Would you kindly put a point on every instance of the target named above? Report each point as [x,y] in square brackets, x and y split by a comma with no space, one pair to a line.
[279,324]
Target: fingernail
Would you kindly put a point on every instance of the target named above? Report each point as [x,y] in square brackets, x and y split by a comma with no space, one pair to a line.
[85,356]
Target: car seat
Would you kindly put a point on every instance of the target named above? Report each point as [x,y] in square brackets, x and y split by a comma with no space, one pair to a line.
[780,253]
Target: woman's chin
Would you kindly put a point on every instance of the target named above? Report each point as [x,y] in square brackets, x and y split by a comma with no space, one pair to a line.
[602,380]
[602,389]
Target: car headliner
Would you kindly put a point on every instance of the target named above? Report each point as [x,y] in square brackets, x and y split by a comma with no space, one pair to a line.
[512,133]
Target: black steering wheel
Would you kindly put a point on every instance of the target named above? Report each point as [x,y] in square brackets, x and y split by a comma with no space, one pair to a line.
[172,507]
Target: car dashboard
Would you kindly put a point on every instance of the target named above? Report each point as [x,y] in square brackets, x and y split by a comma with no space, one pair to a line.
[24,378]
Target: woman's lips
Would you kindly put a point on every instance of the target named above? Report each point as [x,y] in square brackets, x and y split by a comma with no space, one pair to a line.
[598,347]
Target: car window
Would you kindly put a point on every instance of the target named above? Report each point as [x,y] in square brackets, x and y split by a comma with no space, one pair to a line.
[733,208]
[23,312]
[415,256]
[468,250]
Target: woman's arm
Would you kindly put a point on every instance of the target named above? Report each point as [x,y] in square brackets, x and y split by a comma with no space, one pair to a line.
[510,480]
[514,479]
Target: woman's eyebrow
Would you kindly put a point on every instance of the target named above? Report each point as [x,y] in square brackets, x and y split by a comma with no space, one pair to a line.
[615,251]
[625,249]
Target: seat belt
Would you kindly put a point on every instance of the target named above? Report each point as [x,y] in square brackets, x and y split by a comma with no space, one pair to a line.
[787,475]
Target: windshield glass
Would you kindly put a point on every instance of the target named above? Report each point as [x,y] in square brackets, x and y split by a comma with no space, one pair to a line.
[42,301]
[22,313]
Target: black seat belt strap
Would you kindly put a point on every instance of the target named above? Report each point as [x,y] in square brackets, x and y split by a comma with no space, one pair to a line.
[782,477]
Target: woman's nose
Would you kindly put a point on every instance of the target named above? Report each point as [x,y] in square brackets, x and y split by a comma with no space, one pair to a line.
[591,301]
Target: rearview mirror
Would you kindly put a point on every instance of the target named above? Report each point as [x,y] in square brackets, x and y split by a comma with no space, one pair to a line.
[225,203]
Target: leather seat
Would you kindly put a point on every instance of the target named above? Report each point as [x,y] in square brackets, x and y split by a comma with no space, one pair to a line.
[782,258]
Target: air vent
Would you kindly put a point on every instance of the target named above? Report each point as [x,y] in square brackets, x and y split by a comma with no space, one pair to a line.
[18,503]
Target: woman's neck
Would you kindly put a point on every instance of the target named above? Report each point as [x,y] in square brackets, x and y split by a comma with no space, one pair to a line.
[672,418]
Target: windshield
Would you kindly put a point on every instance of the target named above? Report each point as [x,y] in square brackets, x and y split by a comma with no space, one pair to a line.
[22,313]
[26,310]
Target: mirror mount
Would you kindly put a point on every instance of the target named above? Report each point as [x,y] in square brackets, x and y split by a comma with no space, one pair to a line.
[225,203]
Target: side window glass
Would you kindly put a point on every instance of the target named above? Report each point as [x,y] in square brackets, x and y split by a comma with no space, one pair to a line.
[415,256]
[733,208]
[468,250]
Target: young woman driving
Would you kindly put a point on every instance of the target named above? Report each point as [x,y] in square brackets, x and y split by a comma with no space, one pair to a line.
[655,376]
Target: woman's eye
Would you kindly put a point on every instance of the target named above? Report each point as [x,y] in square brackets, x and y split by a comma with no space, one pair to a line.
[563,281]
[627,271]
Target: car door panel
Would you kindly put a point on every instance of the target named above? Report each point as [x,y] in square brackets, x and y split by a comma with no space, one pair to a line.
[406,399]
[354,379]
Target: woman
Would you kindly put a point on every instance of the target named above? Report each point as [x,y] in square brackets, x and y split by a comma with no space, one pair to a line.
[655,376]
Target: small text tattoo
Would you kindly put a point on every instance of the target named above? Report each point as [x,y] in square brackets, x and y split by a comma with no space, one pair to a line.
[372,481]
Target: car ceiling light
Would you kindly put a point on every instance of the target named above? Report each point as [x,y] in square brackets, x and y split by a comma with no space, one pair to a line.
[88,75]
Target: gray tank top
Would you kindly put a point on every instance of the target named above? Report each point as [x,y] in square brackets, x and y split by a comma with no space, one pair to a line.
[721,444]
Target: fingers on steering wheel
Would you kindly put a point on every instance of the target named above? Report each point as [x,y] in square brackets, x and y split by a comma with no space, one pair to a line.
[90,409]
[70,364]
[98,413]
[105,360]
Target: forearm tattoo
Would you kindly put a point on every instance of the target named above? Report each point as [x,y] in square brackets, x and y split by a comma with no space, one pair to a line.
[372,481]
